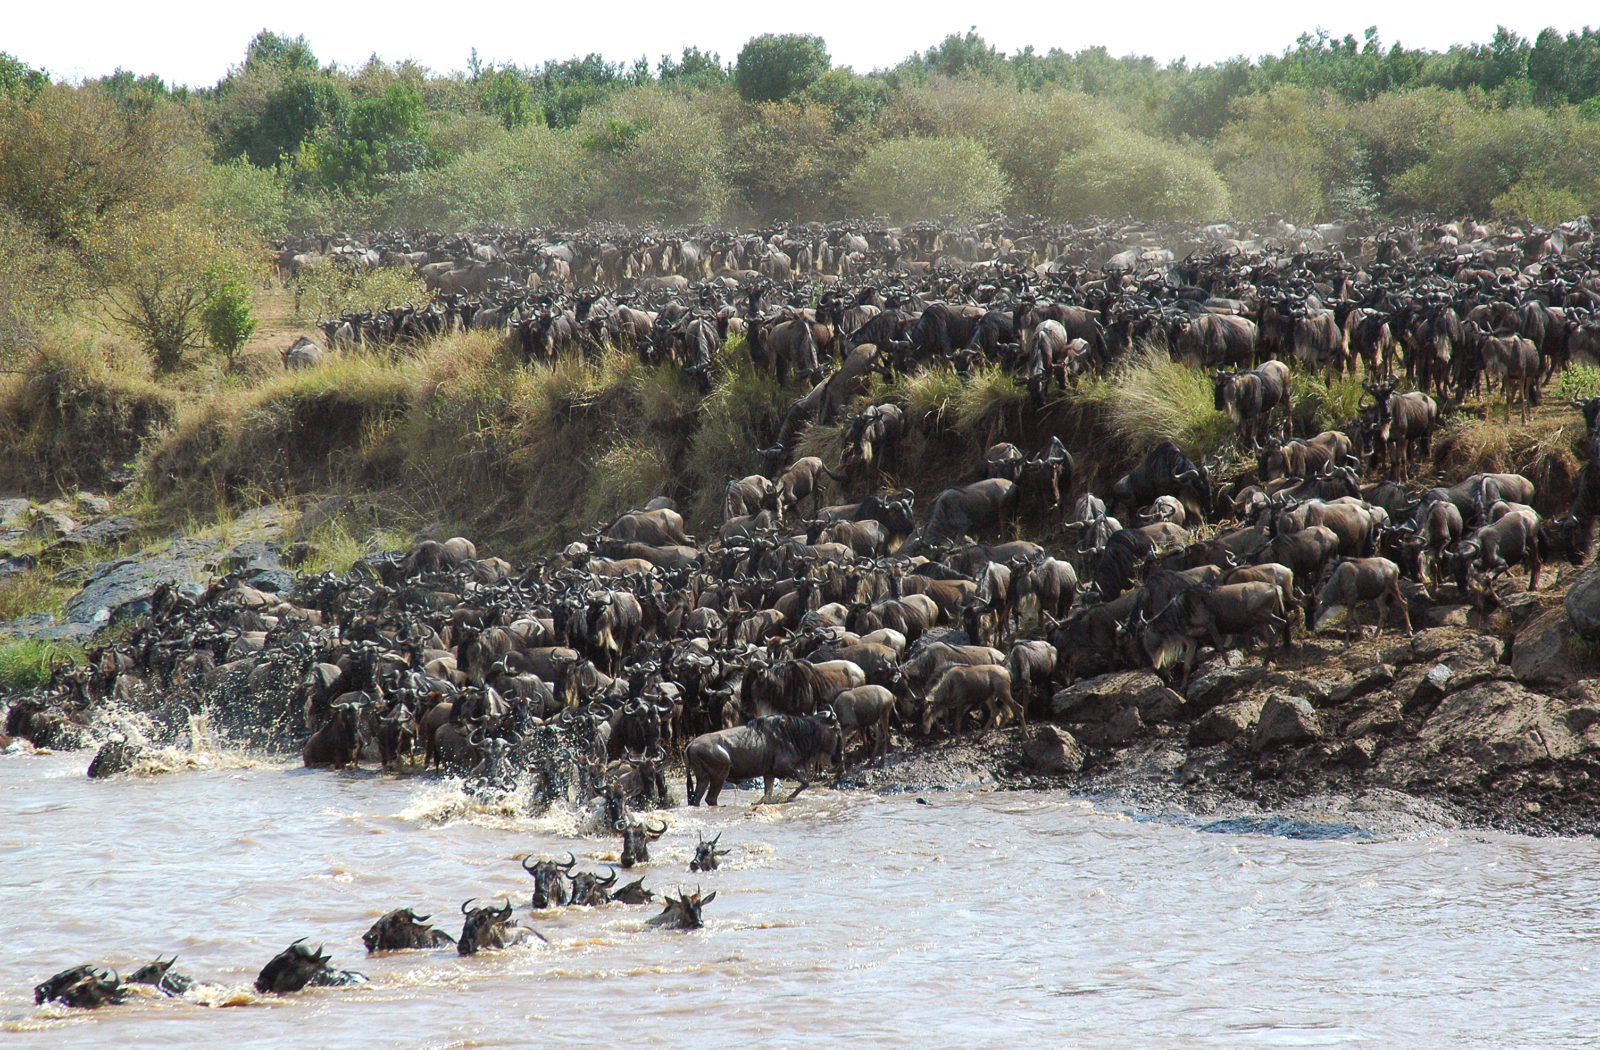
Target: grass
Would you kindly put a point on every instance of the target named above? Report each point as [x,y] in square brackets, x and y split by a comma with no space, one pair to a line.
[31,592]
[25,662]
[1576,383]
[1152,398]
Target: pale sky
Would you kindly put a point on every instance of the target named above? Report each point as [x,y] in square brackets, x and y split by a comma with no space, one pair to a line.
[194,41]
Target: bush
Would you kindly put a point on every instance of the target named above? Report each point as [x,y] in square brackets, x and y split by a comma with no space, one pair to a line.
[1576,383]
[226,316]
[25,663]
[658,158]
[1152,398]
[1131,174]
[926,178]
[327,290]
[774,66]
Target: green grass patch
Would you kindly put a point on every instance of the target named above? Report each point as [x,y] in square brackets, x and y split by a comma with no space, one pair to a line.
[25,662]
[1577,383]
[1152,398]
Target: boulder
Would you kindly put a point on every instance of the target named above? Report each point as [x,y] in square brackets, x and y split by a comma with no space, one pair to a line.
[1224,723]
[1102,698]
[1435,643]
[1052,751]
[1583,603]
[1361,683]
[93,506]
[1447,616]
[94,536]
[318,515]
[1286,720]
[1219,685]
[1543,653]
[13,513]
[1379,718]
[1501,724]
[51,524]
[1119,730]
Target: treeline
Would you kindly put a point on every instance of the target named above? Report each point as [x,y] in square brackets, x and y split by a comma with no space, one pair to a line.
[147,198]
[1510,127]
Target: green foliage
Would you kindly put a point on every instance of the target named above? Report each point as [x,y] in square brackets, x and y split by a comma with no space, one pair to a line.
[1289,153]
[854,100]
[267,111]
[774,66]
[789,160]
[1153,398]
[25,662]
[328,291]
[226,316]
[244,197]
[925,178]
[1576,383]
[1133,174]
[18,75]
[658,157]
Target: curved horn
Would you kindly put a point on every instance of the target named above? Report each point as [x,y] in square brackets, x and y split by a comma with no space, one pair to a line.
[571,863]
[464,904]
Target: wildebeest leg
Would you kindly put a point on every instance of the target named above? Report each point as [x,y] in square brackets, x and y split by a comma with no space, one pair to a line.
[769,781]
[793,794]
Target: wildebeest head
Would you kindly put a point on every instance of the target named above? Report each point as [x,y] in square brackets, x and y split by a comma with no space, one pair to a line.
[159,973]
[549,886]
[636,841]
[486,928]
[706,855]
[683,911]
[402,929]
[82,987]
[589,889]
[634,893]
[298,966]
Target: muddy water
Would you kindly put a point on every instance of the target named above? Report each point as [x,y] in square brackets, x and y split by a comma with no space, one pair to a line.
[999,919]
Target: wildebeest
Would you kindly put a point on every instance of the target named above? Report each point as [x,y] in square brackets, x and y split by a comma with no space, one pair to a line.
[297,967]
[1250,397]
[1397,425]
[971,509]
[636,841]
[1175,632]
[1164,471]
[404,929]
[963,690]
[160,975]
[82,988]
[770,747]
[707,857]
[338,743]
[591,889]
[865,710]
[1512,539]
[549,884]
[1357,580]
[683,911]
[488,928]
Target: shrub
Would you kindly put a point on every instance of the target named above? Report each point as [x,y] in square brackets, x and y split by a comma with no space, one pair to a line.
[1577,382]
[1153,398]
[926,178]
[25,663]
[774,66]
[1132,174]
[328,290]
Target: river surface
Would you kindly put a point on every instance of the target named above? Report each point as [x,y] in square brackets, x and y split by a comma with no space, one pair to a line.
[980,919]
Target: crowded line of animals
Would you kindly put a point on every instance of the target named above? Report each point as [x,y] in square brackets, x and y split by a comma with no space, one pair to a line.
[805,628]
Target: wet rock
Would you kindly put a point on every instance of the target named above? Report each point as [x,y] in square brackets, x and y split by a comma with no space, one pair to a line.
[114,756]
[1224,723]
[1583,603]
[1119,730]
[1219,685]
[123,586]
[1052,751]
[1433,687]
[1432,645]
[1102,698]
[1286,720]
[1160,706]
[51,524]
[1296,683]
[1358,754]
[1543,653]
[1363,682]
[1493,727]
[14,566]
[250,555]
[277,581]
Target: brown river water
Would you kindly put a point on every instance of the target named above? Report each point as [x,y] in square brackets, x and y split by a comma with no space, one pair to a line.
[979,919]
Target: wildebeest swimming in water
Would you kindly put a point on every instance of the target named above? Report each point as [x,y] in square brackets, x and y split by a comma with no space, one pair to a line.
[404,929]
[82,987]
[489,928]
[683,911]
[549,887]
[159,974]
[636,841]
[706,855]
[297,966]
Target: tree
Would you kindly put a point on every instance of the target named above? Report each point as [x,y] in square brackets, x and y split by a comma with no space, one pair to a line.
[1127,173]
[226,315]
[658,157]
[153,278]
[926,178]
[790,161]
[774,66]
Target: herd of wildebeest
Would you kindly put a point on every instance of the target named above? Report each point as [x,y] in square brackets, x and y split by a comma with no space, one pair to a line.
[807,627]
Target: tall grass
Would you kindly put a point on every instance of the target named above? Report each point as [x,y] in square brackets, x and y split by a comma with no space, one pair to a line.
[1152,398]
[25,662]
